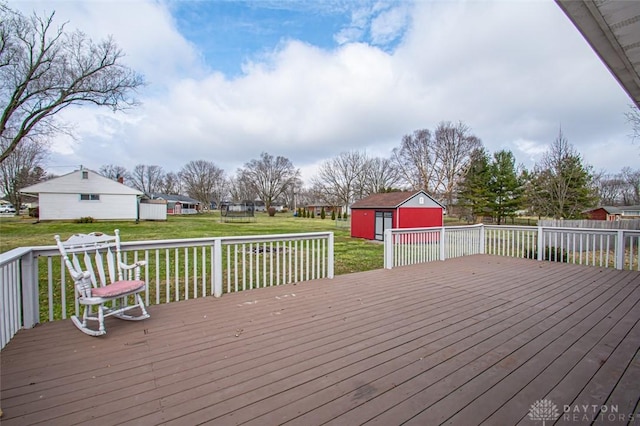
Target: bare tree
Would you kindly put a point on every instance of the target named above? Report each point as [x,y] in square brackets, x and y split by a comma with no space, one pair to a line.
[113,172]
[415,160]
[44,69]
[290,197]
[339,180]
[147,179]
[380,176]
[609,188]
[436,163]
[171,184]
[453,146]
[270,176]
[204,181]
[241,189]
[631,192]
[23,167]
[633,118]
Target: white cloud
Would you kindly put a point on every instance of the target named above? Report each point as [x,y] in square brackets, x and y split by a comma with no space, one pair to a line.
[514,72]
[389,25]
[145,30]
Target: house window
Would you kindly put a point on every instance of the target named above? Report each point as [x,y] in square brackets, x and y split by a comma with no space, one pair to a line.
[85,174]
[90,197]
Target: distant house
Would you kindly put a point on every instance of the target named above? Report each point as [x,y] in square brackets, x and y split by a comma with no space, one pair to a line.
[372,215]
[85,193]
[603,213]
[630,212]
[613,213]
[178,204]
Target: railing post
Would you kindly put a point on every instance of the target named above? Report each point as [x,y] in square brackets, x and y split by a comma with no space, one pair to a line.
[330,256]
[482,247]
[388,249]
[540,243]
[217,272]
[443,240]
[620,249]
[30,293]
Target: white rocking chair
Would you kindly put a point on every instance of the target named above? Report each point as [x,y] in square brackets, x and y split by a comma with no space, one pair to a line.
[109,293]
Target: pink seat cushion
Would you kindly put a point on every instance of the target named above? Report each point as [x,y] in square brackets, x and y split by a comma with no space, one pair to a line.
[117,288]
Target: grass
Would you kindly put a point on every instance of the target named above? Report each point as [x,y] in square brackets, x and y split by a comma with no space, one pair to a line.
[351,254]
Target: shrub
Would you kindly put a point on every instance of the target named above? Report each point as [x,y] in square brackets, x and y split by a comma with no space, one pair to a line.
[34,212]
[339,215]
[87,219]
[271,211]
[344,216]
[313,214]
[553,254]
[333,215]
[323,214]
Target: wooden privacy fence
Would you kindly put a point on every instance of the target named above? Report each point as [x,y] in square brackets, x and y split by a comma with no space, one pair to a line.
[35,286]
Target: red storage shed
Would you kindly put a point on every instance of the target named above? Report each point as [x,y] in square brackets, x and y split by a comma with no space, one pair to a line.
[375,213]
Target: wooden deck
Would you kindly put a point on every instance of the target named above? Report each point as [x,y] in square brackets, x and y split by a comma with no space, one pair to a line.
[466,341]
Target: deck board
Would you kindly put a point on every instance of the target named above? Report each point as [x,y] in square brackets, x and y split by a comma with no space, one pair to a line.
[465,341]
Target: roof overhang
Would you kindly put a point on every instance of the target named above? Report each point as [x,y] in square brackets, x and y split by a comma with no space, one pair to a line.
[612,28]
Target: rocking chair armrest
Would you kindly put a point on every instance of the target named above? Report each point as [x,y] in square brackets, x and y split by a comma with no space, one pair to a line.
[133,265]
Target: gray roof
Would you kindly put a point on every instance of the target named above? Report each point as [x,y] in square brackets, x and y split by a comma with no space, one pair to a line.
[174,198]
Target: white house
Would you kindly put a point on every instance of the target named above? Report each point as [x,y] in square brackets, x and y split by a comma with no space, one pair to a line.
[85,193]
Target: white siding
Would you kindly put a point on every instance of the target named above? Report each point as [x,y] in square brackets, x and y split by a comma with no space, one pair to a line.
[69,206]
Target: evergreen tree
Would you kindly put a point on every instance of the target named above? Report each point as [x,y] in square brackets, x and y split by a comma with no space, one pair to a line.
[505,188]
[323,214]
[474,188]
[333,214]
[561,186]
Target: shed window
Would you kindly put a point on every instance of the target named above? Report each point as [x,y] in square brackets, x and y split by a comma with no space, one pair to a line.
[85,174]
[89,197]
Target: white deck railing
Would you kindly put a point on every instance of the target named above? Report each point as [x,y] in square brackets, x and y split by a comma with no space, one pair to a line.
[598,247]
[35,287]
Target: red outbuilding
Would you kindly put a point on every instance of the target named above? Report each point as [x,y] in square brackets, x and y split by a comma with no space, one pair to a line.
[372,215]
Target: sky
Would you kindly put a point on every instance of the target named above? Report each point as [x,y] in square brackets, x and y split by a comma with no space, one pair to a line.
[309,79]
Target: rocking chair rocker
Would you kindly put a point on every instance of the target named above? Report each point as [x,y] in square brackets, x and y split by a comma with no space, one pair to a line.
[107,290]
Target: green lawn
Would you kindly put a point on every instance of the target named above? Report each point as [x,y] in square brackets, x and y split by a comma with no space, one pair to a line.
[351,254]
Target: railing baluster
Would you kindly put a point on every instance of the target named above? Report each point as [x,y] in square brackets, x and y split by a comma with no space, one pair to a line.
[176,275]
[49,285]
[167,258]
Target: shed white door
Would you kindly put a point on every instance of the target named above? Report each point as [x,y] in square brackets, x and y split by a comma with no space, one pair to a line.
[384,220]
